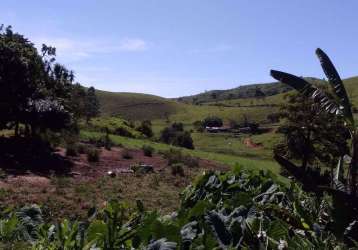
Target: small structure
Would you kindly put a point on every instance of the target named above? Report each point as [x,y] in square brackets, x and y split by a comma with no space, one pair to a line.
[217,129]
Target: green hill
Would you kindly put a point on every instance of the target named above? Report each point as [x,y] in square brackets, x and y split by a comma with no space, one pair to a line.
[229,104]
[135,106]
[241,92]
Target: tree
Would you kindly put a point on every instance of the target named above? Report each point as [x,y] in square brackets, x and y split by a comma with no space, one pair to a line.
[78,100]
[311,135]
[176,135]
[212,121]
[274,117]
[146,128]
[259,94]
[214,96]
[336,103]
[92,104]
[32,87]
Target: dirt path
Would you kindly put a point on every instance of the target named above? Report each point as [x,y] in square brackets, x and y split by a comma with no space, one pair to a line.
[250,144]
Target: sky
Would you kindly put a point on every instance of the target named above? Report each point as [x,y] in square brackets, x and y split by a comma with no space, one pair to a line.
[174,48]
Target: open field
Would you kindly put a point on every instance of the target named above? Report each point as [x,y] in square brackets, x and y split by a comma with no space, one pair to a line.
[226,143]
[70,195]
[227,159]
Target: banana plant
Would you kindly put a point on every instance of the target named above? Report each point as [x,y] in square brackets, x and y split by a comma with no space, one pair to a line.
[337,103]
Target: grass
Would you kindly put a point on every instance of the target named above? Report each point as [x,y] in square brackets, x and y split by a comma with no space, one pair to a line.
[227,159]
[227,143]
[114,125]
[134,106]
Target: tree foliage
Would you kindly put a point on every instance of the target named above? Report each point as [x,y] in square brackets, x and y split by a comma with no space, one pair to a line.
[335,102]
[33,88]
[310,135]
[91,104]
[177,136]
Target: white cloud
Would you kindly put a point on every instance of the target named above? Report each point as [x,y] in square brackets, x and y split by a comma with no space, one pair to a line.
[216,49]
[133,45]
[74,50]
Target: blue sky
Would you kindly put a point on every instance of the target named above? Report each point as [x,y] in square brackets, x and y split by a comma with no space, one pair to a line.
[180,47]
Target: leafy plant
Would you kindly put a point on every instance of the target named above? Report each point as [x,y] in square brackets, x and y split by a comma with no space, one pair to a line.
[148,150]
[233,210]
[336,103]
[71,150]
[177,169]
[93,155]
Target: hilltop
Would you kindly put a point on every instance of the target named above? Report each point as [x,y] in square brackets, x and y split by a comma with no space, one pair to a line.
[228,104]
[135,106]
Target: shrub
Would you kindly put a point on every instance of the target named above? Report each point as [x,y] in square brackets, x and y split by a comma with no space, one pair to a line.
[81,148]
[71,150]
[93,155]
[173,156]
[212,121]
[175,135]
[148,150]
[114,125]
[190,161]
[103,141]
[274,117]
[177,169]
[198,126]
[178,126]
[183,139]
[126,154]
[145,128]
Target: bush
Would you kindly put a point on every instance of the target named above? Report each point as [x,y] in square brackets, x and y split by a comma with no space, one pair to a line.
[175,156]
[177,169]
[212,121]
[71,150]
[190,161]
[175,135]
[274,117]
[178,126]
[103,141]
[198,126]
[81,148]
[93,155]
[183,139]
[148,150]
[114,125]
[146,128]
[126,154]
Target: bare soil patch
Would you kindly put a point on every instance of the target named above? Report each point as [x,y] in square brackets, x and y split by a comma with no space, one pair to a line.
[86,184]
[250,144]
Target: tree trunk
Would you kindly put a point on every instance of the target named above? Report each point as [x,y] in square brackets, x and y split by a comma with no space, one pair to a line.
[353,166]
[304,162]
[16,129]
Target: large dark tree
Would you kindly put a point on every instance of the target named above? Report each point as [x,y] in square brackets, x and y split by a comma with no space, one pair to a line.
[311,136]
[34,91]
[337,103]
[92,104]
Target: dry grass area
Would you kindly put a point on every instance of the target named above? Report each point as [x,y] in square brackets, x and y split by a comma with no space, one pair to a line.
[88,184]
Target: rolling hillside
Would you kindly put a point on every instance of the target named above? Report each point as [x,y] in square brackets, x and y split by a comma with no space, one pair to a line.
[244,91]
[134,106]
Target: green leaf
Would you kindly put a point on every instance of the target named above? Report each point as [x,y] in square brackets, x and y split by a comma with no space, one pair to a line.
[336,83]
[318,95]
[217,223]
[162,244]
